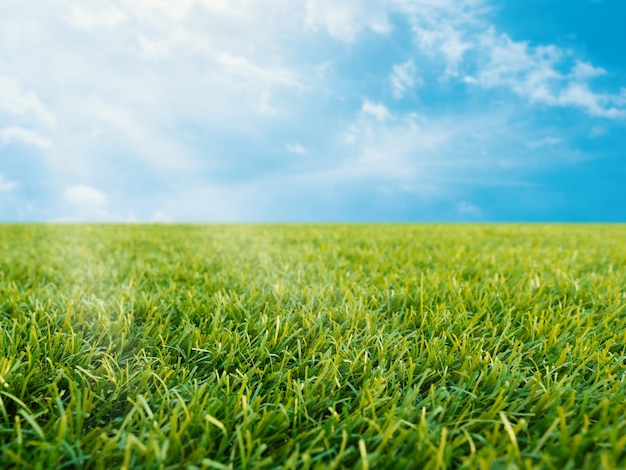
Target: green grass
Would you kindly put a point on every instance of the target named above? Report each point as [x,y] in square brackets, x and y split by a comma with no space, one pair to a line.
[313,346]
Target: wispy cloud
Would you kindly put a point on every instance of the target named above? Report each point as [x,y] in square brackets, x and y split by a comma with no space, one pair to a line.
[437,157]
[403,78]
[6,185]
[85,196]
[460,35]
[85,202]
[296,148]
[346,19]
[377,110]
[246,71]
[536,74]
[467,209]
[404,150]
[545,142]
[160,216]
[17,101]
[85,18]
[24,136]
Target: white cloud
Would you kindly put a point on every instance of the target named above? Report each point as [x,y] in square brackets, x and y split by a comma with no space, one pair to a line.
[160,216]
[345,19]
[217,5]
[265,106]
[438,11]
[444,28]
[429,158]
[19,102]
[468,209]
[399,151]
[24,136]
[535,73]
[226,203]
[447,42]
[6,185]
[296,148]
[459,34]
[239,66]
[84,18]
[545,142]
[378,110]
[515,64]
[597,131]
[596,104]
[152,96]
[138,133]
[584,70]
[403,78]
[86,198]
[155,50]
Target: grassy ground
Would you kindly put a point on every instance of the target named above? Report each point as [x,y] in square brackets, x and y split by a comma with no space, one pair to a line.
[313,346]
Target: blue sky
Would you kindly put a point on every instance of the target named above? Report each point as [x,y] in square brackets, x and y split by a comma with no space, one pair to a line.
[312,110]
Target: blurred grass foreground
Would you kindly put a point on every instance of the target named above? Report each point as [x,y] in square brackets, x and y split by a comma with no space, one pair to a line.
[313,346]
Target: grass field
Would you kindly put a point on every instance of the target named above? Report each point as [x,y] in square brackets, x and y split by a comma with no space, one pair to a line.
[214,346]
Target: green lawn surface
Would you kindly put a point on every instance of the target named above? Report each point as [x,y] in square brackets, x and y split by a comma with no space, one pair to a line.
[313,346]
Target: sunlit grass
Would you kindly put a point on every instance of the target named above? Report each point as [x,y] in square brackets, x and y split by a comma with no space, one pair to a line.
[313,346]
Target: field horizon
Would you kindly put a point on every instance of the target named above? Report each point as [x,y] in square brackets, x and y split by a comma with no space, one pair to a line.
[313,345]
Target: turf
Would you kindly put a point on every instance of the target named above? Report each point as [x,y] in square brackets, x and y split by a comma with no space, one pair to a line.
[333,346]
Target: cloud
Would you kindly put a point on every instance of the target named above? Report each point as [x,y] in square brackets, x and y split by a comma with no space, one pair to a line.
[24,136]
[583,70]
[151,96]
[597,131]
[84,18]
[444,29]
[217,202]
[435,157]
[171,86]
[536,73]
[178,10]
[378,110]
[545,142]
[296,148]
[6,185]
[446,42]
[596,104]
[346,19]
[137,132]
[467,209]
[18,102]
[398,151]
[86,199]
[265,106]
[458,34]
[160,216]
[243,69]
[403,78]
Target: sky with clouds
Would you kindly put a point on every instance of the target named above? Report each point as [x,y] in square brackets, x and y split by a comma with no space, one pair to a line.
[312,110]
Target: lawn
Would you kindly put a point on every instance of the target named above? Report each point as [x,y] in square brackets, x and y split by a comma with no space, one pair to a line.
[313,346]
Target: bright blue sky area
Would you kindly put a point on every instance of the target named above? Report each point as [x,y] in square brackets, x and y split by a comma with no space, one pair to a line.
[316,110]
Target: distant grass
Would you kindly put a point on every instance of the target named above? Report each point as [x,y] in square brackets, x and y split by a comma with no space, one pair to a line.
[313,346]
